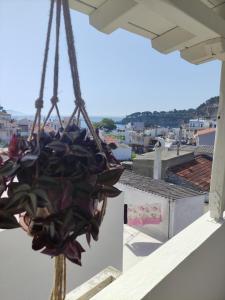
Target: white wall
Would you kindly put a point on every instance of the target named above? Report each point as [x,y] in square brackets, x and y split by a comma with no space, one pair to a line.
[176,215]
[206,139]
[122,153]
[27,275]
[185,212]
[135,196]
[190,266]
[200,276]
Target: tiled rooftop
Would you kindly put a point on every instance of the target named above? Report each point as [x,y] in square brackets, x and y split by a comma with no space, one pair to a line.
[158,187]
[206,131]
[196,172]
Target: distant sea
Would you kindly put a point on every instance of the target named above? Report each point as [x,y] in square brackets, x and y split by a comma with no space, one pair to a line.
[19,116]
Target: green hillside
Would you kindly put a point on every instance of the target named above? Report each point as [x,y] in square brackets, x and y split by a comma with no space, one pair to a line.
[175,118]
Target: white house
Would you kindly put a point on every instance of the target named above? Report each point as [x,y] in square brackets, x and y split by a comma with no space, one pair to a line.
[136,126]
[156,131]
[198,123]
[177,206]
[122,152]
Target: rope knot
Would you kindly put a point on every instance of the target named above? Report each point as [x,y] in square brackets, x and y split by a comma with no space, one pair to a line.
[54,100]
[39,103]
[80,102]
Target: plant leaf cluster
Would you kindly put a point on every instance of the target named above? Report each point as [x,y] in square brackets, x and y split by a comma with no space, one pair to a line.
[54,189]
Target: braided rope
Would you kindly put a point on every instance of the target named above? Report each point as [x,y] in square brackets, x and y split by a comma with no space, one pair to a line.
[79,102]
[59,290]
[71,51]
[74,72]
[39,101]
[54,98]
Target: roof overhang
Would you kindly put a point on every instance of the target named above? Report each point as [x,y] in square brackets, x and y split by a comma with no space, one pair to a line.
[196,28]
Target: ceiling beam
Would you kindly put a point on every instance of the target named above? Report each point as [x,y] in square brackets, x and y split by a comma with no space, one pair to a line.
[81,6]
[205,51]
[193,16]
[172,40]
[109,16]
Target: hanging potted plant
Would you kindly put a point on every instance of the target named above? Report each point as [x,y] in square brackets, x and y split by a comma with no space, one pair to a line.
[55,185]
[56,192]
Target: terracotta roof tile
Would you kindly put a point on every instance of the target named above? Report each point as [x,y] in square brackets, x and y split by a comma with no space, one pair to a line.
[196,172]
[205,131]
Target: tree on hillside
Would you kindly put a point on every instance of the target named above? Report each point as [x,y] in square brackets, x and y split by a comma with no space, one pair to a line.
[105,123]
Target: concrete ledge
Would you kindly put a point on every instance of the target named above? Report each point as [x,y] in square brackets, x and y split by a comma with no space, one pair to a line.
[90,288]
[189,266]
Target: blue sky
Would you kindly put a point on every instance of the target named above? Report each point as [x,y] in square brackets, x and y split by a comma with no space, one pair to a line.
[120,73]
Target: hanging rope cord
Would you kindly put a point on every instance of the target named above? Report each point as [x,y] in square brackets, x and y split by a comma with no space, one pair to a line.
[54,98]
[39,101]
[59,288]
[79,102]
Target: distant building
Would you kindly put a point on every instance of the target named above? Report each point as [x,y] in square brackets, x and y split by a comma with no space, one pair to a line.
[156,131]
[144,164]
[136,126]
[24,127]
[196,124]
[134,138]
[6,129]
[52,125]
[122,152]
[205,137]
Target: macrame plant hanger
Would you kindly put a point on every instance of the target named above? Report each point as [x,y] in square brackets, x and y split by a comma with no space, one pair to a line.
[59,287]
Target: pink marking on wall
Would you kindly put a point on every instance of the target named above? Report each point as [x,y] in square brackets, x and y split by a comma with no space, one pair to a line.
[139,215]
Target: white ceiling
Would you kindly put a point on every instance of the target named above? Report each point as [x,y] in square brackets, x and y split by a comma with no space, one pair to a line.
[184,25]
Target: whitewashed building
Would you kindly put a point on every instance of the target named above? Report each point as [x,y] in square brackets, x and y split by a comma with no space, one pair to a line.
[122,152]
[6,129]
[178,206]
[136,126]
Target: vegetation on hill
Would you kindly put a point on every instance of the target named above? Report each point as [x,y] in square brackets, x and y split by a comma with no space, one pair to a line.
[174,118]
[105,123]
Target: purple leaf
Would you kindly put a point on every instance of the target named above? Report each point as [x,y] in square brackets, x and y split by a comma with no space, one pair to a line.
[73,251]
[52,252]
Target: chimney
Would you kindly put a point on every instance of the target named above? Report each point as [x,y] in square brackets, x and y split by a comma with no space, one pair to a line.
[159,147]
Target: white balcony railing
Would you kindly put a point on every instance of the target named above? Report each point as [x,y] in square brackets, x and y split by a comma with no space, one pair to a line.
[189,266]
